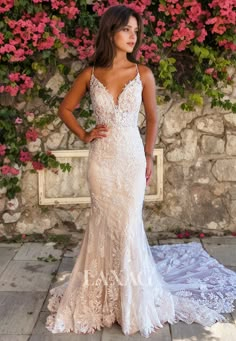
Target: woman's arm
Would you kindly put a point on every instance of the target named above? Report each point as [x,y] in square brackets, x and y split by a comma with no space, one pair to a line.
[150,106]
[70,102]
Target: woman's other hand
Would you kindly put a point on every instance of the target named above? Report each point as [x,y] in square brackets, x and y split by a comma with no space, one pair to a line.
[149,170]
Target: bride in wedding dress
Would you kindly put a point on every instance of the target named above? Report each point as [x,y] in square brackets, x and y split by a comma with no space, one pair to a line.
[117,276]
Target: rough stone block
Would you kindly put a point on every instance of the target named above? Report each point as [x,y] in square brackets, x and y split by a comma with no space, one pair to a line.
[230,120]
[171,125]
[231,144]
[212,145]
[210,124]
[225,170]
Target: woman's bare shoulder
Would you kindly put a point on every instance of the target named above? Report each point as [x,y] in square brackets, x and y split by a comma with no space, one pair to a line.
[84,76]
[145,73]
[85,73]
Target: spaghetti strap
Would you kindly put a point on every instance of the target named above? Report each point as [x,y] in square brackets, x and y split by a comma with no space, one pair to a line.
[137,69]
[92,74]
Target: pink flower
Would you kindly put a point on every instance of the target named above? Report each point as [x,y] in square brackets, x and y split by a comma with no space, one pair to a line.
[37,165]
[166,44]
[6,5]
[14,171]
[180,235]
[29,116]
[201,235]
[219,25]
[1,38]
[31,134]
[12,90]
[209,71]
[7,48]
[25,156]
[18,120]
[46,44]
[5,169]
[3,148]
[18,56]
[70,11]
[202,35]
[184,35]
[6,160]
[14,77]
[186,234]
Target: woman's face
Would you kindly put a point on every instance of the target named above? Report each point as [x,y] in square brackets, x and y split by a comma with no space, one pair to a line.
[126,38]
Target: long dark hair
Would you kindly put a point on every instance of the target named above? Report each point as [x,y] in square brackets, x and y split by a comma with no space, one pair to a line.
[111,22]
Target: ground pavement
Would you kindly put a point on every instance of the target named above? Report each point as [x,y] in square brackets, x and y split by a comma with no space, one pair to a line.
[26,278]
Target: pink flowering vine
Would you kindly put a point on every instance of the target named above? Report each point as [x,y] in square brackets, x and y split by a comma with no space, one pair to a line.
[37,165]
[31,134]
[6,170]
[18,120]
[25,156]
[3,148]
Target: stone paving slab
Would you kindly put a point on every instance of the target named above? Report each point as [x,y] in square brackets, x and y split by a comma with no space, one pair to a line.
[27,276]
[225,254]
[14,337]
[65,337]
[73,252]
[31,251]
[234,315]
[178,241]
[14,245]
[63,273]
[44,334]
[19,311]
[67,264]
[115,334]
[229,240]
[6,255]
[196,332]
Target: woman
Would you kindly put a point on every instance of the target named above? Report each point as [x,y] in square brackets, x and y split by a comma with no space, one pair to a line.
[117,276]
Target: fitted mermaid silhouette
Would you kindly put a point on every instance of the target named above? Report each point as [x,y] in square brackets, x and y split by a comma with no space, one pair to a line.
[117,275]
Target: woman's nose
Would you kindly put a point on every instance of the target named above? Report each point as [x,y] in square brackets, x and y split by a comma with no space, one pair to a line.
[133,34]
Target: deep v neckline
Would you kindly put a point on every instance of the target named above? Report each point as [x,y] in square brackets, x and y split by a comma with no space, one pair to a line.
[116,103]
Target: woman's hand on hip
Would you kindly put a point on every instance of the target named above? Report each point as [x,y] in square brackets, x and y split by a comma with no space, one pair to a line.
[96,133]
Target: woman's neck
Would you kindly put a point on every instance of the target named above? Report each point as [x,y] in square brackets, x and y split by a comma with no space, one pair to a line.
[120,59]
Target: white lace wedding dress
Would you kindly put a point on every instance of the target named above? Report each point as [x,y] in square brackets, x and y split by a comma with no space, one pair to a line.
[117,275]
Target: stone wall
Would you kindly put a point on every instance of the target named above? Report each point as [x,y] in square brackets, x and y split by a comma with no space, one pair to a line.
[199,172]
